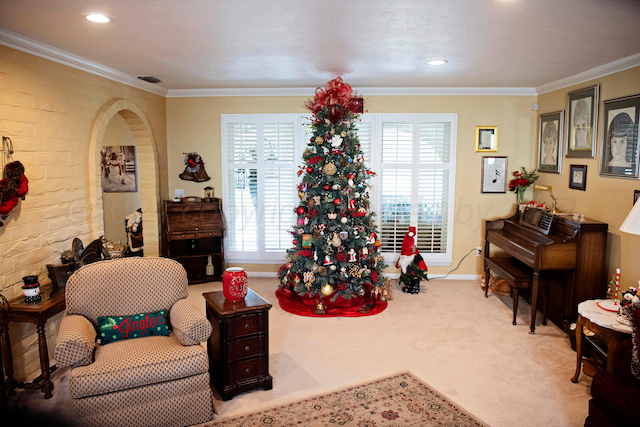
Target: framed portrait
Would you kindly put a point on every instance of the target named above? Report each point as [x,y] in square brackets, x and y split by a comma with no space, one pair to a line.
[118,169]
[582,122]
[486,138]
[494,174]
[619,150]
[550,142]
[578,177]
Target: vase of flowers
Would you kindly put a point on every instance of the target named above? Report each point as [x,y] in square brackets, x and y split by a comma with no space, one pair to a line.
[522,180]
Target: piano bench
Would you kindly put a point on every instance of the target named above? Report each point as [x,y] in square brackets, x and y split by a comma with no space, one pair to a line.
[505,268]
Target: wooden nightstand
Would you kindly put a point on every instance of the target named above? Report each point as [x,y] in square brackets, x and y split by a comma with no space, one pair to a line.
[239,344]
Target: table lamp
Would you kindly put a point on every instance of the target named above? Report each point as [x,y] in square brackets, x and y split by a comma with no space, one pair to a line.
[631,225]
[554,209]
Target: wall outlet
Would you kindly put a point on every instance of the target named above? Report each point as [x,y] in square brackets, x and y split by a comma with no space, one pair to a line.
[478,251]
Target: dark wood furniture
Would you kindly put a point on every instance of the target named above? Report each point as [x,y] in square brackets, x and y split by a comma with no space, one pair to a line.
[612,338]
[53,302]
[193,231]
[239,344]
[568,255]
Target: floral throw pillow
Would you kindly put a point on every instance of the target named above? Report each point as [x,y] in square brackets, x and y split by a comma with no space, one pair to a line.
[633,314]
[115,328]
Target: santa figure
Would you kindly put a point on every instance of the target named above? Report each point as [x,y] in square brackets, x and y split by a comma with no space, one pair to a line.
[411,263]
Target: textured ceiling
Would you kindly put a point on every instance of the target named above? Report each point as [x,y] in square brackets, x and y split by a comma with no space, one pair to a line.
[371,43]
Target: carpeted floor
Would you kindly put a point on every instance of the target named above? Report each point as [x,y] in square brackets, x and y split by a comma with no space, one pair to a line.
[449,336]
[401,399]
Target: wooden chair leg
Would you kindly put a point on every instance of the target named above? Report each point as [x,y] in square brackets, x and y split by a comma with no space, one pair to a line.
[514,294]
[546,301]
[487,277]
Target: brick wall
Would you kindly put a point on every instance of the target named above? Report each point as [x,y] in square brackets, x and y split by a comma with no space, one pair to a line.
[49,110]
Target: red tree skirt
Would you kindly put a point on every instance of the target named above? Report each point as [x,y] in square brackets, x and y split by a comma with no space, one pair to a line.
[293,303]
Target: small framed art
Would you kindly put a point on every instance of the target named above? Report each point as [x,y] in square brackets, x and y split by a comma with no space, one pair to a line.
[578,177]
[619,151]
[486,139]
[118,164]
[494,174]
[582,118]
[550,142]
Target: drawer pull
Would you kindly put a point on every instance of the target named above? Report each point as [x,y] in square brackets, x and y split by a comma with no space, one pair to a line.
[183,235]
[247,370]
[247,348]
[196,228]
[246,326]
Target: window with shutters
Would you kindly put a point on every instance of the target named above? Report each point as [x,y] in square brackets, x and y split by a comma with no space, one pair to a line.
[416,169]
[413,155]
[260,153]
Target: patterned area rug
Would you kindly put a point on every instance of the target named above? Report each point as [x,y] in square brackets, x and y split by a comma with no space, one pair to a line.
[401,400]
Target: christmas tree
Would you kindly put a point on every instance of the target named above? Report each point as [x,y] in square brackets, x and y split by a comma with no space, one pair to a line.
[335,245]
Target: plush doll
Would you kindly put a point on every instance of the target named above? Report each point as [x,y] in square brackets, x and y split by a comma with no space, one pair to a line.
[15,172]
[411,263]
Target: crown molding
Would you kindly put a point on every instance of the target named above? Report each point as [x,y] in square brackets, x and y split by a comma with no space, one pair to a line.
[592,74]
[42,50]
[368,91]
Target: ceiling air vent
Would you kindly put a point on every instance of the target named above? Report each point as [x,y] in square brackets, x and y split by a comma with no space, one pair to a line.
[149,79]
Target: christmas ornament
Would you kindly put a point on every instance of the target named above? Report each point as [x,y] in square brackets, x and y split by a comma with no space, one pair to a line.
[301,194]
[332,215]
[315,268]
[336,187]
[311,203]
[343,134]
[309,277]
[344,235]
[306,221]
[327,260]
[320,308]
[319,140]
[343,220]
[336,202]
[356,195]
[326,187]
[336,141]
[300,210]
[316,200]
[306,240]
[322,270]
[332,267]
[300,231]
[194,168]
[344,163]
[330,169]
[352,255]
[326,290]
[309,169]
[335,241]
[300,221]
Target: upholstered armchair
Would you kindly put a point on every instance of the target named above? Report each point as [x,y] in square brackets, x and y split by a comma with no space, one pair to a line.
[144,381]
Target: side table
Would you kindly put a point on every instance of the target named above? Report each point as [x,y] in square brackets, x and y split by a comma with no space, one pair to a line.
[53,302]
[602,323]
[239,344]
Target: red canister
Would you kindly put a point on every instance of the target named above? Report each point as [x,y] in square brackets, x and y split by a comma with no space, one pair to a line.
[234,283]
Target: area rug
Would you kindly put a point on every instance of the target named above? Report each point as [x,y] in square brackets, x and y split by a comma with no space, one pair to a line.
[355,307]
[401,400]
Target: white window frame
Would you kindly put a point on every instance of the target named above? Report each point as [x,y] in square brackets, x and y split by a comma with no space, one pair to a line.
[376,119]
[443,259]
[261,256]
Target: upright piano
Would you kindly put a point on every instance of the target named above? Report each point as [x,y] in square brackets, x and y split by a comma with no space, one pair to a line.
[568,255]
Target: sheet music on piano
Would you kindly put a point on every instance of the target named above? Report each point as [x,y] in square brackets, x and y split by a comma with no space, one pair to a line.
[537,219]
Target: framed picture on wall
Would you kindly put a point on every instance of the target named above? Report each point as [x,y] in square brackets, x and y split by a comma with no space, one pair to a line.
[550,142]
[578,177]
[494,174]
[582,119]
[118,169]
[486,139]
[619,151]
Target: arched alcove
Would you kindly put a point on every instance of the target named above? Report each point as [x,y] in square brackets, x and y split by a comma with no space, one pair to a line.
[147,170]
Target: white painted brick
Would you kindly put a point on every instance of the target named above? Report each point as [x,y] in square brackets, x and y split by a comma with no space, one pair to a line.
[31,258]
[16,129]
[19,114]
[57,236]
[46,159]
[17,99]
[47,131]
[53,172]
[60,222]
[19,84]
[28,230]
[47,104]
[31,144]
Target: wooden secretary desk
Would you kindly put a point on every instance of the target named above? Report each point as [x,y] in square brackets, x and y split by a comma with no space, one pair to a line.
[193,231]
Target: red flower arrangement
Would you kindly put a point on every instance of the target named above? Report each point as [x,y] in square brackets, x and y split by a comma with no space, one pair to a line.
[305,253]
[315,159]
[341,257]
[521,181]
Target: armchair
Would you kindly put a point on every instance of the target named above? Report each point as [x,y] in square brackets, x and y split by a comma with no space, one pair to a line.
[148,381]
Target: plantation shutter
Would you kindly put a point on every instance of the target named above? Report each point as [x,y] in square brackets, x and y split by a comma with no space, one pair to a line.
[279,183]
[242,204]
[433,187]
[416,166]
[396,182]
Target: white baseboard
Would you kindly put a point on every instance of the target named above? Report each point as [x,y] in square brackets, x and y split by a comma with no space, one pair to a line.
[390,276]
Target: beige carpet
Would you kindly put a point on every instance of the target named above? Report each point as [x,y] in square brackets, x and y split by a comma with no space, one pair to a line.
[449,336]
[401,399]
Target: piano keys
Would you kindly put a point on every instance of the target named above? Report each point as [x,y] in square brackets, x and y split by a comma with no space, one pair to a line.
[568,255]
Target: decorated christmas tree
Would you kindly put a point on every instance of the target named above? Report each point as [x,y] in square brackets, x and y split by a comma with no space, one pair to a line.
[335,251]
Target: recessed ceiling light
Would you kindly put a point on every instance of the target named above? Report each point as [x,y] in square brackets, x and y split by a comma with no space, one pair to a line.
[437,62]
[98,17]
